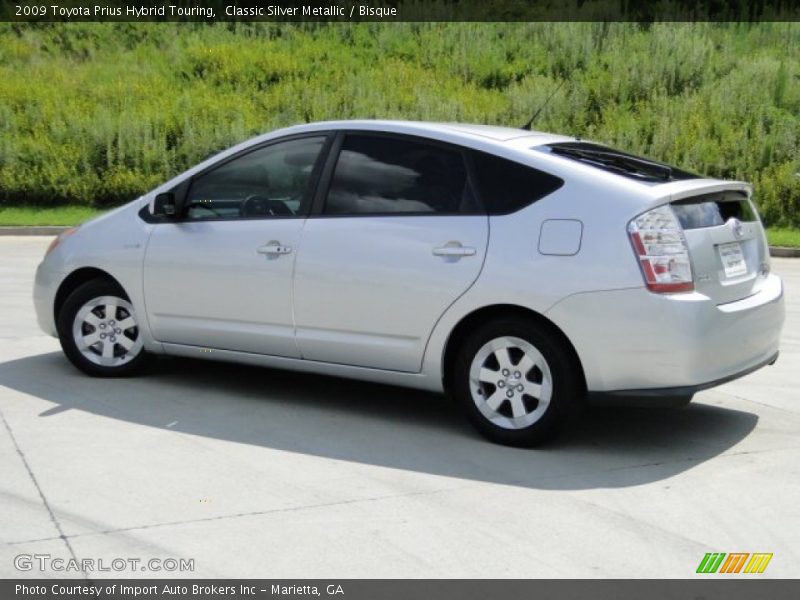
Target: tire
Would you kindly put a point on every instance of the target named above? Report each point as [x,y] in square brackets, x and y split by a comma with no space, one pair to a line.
[86,317]
[506,402]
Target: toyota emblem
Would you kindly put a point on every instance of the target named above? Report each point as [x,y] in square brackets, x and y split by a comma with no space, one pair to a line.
[736,226]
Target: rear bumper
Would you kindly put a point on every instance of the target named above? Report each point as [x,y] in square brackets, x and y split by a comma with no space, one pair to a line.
[674,396]
[633,343]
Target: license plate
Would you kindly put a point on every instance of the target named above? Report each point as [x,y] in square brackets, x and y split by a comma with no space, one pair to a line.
[732,259]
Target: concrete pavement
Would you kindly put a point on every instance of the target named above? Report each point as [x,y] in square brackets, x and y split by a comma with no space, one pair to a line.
[260,473]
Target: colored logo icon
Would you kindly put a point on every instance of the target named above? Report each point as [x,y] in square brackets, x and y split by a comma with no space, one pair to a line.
[735,562]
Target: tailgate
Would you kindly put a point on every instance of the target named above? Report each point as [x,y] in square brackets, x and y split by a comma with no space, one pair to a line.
[727,245]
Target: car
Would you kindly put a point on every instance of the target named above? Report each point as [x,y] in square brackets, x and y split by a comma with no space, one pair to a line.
[522,273]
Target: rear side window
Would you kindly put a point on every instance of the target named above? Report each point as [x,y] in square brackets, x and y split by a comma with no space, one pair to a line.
[385,175]
[506,186]
[711,210]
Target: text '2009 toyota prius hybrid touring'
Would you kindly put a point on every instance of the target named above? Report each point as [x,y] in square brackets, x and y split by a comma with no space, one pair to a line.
[519,271]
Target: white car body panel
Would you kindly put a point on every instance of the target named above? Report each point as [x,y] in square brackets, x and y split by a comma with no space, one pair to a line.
[368,290]
[205,280]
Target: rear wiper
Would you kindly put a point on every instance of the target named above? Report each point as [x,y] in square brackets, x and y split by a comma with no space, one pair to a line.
[621,160]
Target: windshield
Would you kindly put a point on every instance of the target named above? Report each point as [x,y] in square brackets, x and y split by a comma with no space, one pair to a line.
[615,161]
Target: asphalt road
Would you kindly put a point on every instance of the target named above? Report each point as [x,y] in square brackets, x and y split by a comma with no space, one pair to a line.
[260,473]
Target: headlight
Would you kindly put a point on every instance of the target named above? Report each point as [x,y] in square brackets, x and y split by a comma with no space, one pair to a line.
[59,238]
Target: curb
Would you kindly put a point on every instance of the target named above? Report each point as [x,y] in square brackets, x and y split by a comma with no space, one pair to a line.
[777,251]
[783,252]
[40,230]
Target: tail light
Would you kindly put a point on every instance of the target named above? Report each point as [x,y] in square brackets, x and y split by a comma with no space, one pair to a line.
[662,251]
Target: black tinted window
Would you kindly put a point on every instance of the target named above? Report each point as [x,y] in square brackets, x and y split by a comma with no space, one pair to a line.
[713,209]
[270,182]
[388,175]
[506,186]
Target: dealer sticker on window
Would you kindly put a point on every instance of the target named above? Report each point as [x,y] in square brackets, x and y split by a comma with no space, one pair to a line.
[732,259]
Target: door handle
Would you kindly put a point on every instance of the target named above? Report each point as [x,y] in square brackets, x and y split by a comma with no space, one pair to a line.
[454,250]
[273,249]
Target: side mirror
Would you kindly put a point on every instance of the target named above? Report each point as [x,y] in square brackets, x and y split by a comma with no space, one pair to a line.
[164,205]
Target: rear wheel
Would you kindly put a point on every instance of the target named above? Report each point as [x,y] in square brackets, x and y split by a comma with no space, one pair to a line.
[99,331]
[516,382]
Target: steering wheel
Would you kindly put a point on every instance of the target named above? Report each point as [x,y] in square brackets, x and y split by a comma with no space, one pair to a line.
[254,206]
[258,206]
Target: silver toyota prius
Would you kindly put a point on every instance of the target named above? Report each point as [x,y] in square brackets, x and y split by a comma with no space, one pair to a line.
[520,272]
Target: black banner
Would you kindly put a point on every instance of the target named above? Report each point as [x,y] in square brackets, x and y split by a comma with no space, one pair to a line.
[417,589]
[210,11]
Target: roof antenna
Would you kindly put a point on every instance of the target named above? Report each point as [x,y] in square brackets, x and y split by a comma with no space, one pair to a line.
[527,126]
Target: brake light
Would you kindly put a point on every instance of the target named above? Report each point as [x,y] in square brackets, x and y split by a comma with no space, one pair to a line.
[662,251]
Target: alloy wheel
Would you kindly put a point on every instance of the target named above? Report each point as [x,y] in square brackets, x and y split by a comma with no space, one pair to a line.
[510,382]
[106,333]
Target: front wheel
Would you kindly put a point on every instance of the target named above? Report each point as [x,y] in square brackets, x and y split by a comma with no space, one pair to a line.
[516,381]
[99,331]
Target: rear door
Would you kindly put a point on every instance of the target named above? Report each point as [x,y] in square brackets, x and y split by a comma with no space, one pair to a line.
[396,236]
[726,243]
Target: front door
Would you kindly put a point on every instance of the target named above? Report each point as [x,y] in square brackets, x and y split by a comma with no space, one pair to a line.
[221,275]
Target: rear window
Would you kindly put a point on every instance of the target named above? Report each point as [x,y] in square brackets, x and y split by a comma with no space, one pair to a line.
[621,163]
[711,210]
[506,186]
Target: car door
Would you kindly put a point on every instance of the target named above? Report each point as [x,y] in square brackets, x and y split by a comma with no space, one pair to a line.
[220,276]
[396,236]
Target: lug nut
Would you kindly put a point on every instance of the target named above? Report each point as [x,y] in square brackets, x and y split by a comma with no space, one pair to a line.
[112,322]
[501,383]
[102,325]
[517,374]
[520,387]
[510,393]
[102,336]
[505,372]
[118,330]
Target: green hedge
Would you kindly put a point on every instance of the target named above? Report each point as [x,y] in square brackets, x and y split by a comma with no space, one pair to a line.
[96,114]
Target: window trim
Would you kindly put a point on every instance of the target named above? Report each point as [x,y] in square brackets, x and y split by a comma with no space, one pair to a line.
[182,189]
[326,178]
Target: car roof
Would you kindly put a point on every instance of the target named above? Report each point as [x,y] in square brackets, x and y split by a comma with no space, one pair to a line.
[467,131]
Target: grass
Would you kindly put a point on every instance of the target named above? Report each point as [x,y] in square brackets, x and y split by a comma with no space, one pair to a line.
[95,114]
[31,215]
[73,215]
[789,238]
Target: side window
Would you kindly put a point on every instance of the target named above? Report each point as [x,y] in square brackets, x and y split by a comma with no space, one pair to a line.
[269,182]
[382,175]
[506,186]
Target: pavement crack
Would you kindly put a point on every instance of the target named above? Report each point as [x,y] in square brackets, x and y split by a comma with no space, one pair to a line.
[255,513]
[53,518]
[764,404]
